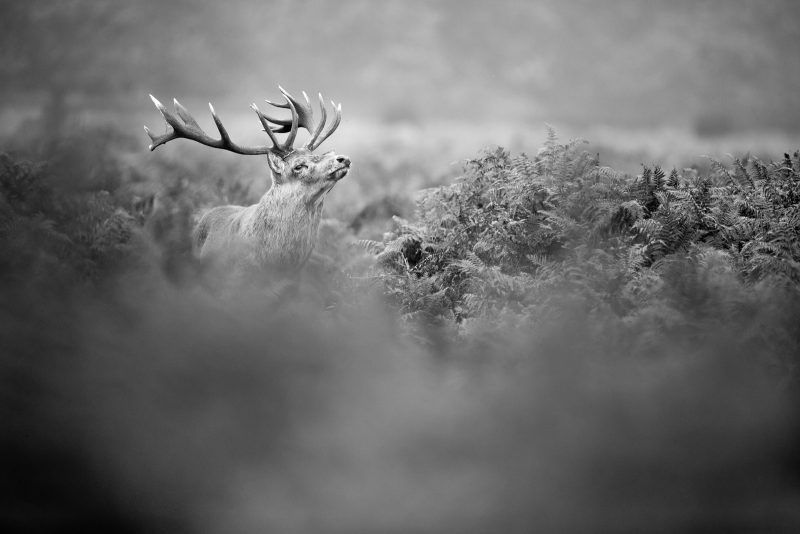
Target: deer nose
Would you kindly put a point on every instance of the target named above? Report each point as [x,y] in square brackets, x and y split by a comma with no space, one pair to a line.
[343,160]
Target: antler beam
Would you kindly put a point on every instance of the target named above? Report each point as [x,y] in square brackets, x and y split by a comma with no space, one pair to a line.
[181,124]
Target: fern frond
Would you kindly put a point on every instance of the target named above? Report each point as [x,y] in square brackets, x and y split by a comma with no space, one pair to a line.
[373,247]
[673,181]
[649,228]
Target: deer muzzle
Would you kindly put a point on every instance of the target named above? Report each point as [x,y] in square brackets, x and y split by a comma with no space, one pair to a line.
[342,168]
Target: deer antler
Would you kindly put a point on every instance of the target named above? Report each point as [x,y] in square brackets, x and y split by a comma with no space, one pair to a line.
[304,115]
[182,125]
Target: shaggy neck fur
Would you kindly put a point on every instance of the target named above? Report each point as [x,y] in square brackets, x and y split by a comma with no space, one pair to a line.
[279,232]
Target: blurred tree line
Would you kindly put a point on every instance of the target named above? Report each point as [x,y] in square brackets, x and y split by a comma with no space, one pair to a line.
[623,63]
[81,54]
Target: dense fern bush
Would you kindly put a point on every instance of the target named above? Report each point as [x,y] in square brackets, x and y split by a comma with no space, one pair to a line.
[515,241]
[84,214]
[54,235]
[515,238]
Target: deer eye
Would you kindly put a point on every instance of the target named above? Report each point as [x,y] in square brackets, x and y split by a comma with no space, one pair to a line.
[299,167]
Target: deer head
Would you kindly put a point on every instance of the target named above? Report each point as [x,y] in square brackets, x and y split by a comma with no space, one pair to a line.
[289,165]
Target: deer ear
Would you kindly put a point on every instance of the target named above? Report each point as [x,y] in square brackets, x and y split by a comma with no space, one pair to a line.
[276,164]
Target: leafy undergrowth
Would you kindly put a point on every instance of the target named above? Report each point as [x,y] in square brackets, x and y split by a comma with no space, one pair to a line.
[545,336]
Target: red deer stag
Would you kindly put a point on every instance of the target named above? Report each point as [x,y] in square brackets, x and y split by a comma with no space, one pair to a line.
[280,230]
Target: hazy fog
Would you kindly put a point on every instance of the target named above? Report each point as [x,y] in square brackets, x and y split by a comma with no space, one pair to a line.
[650,77]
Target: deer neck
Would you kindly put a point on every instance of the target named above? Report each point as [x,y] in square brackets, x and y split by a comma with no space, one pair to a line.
[283,226]
[293,197]
[289,212]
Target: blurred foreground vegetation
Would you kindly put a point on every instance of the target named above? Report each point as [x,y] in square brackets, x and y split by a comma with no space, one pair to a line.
[540,336]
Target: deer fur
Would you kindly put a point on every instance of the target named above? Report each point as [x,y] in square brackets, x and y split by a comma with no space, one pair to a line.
[279,232]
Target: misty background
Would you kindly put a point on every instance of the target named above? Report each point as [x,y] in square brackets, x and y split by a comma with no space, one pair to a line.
[137,395]
[665,81]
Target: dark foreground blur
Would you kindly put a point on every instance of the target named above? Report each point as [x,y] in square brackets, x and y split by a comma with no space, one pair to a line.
[163,409]
[144,392]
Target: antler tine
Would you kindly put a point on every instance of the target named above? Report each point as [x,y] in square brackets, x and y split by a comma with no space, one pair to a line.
[305,113]
[184,126]
[287,145]
[158,140]
[184,114]
[318,129]
[337,110]
[223,133]
[265,124]
[284,105]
